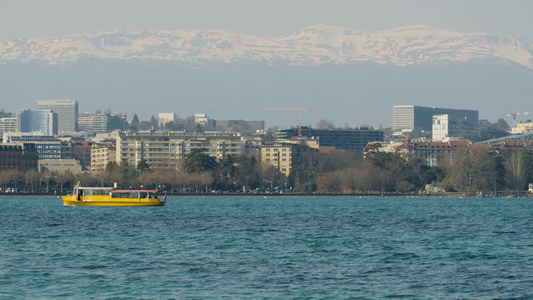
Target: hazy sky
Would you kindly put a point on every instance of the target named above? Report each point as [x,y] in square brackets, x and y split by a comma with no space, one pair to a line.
[51,18]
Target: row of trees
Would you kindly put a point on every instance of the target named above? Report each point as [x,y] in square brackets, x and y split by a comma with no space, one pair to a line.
[468,171]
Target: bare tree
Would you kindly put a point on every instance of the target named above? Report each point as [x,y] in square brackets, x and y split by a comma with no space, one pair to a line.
[329,182]
[515,170]
[471,169]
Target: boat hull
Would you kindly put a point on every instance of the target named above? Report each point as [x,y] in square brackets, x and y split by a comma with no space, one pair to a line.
[108,201]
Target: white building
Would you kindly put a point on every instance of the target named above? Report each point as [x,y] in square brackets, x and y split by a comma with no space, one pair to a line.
[66,110]
[522,128]
[8,125]
[165,118]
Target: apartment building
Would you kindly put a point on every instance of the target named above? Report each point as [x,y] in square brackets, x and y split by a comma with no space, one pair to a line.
[8,125]
[283,156]
[101,155]
[166,150]
[18,156]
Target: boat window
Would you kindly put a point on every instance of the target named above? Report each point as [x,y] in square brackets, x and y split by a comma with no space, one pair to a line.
[99,192]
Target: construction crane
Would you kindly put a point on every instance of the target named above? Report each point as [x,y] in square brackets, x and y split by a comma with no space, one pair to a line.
[299,109]
[518,114]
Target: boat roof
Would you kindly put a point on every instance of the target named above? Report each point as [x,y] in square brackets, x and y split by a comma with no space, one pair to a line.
[116,191]
[136,191]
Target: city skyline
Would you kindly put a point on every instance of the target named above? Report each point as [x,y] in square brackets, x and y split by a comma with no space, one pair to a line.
[367,56]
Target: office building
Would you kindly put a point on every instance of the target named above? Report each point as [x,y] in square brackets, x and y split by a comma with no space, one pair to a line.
[66,110]
[44,121]
[345,139]
[446,128]
[116,121]
[412,117]
[47,146]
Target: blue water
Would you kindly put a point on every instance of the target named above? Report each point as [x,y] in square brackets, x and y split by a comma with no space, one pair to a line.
[254,247]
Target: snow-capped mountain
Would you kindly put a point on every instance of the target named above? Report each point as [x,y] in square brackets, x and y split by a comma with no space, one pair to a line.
[310,46]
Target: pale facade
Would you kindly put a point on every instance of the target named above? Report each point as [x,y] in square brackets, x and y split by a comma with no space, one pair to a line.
[165,118]
[522,128]
[101,155]
[93,122]
[283,156]
[8,125]
[440,128]
[166,150]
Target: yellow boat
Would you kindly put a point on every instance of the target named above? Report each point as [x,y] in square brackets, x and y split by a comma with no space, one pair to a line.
[107,196]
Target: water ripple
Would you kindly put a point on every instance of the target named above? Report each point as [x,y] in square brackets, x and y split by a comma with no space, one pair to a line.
[315,248]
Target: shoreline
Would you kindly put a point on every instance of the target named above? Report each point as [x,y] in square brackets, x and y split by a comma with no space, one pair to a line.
[361,195]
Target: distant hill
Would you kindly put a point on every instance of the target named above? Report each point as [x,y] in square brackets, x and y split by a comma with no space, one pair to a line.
[343,75]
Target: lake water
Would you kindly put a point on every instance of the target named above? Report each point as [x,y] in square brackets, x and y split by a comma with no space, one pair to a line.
[264,248]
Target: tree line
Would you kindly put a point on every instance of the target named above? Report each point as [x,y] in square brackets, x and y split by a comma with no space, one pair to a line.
[468,171]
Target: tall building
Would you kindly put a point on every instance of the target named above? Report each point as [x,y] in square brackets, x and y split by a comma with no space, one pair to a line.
[66,110]
[345,139]
[44,121]
[410,117]
[166,150]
